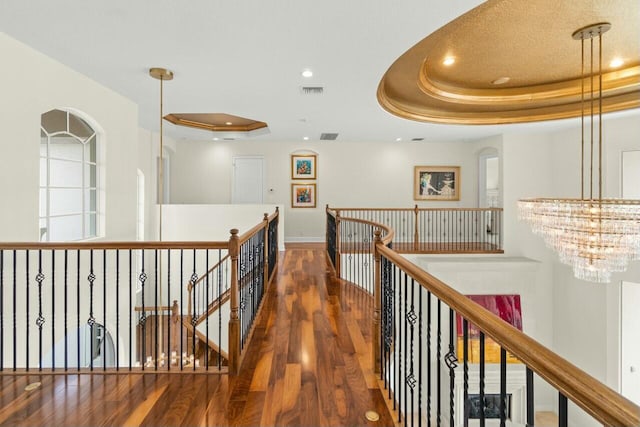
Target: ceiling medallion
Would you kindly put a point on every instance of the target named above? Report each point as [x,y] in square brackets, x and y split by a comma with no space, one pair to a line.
[593,235]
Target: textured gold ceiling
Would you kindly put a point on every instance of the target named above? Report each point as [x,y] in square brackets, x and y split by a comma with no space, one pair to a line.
[215,122]
[528,41]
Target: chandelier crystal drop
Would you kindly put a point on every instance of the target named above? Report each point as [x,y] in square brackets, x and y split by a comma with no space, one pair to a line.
[593,235]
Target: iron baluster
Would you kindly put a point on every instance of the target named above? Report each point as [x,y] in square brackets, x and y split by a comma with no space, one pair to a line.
[438,368]
[91,321]
[104,302]
[562,410]
[40,318]
[503,387]
[530,405]
[465,356]
[452,363]
[66,324]
[482,417]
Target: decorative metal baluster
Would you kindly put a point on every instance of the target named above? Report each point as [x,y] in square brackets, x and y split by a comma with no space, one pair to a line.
[130,309]
[156,280]
[53,308]
[170,312]
[78,308]
[452,363]
[429,359]
[181,307]
[219,305]
[482,417]
[27,310]
[562,410]
[92,320]
[439,362]
[2,310]
[40,318]
[530,407]
[400,318]
[66,311]
[412,318]
[503,387]
[194,317]
[420,356]
[206,279]
[143,316]
[117,310]
[465,356]
[104,304]
[406,364]
[15,312]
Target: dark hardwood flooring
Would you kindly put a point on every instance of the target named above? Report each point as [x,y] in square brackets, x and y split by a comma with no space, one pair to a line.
[308,364]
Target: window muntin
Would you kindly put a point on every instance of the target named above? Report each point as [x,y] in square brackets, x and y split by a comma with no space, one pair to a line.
[68,178]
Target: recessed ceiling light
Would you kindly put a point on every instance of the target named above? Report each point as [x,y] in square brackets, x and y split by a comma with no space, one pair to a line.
[307,73]
[306,138]
[449,60]
[398,139]
[501,80]
[616,62]
[228,123]
[216,139]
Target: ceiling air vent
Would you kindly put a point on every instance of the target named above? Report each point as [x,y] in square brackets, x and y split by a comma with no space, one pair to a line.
[417,139]
[328,136]
[311,90]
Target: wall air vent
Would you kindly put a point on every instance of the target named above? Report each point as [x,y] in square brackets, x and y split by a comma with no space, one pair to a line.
[311,90]
[328,136]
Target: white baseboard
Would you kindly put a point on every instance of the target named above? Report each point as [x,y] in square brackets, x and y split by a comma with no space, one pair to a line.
[304,239]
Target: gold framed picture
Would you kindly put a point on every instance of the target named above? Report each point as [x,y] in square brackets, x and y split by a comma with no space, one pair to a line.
[303,166]
[436,183]
[303,195]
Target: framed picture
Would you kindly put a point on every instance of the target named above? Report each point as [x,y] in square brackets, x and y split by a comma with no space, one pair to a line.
[436,183]
[303,195]
[303,166]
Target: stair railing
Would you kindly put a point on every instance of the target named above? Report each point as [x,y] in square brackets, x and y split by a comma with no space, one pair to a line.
[431,348]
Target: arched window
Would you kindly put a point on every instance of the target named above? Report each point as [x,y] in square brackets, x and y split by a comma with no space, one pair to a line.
[68,177]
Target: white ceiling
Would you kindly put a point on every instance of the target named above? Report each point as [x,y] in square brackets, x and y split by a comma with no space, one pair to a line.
[245,57]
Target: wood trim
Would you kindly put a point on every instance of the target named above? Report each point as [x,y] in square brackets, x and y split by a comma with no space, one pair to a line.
[595,398]
[412,209]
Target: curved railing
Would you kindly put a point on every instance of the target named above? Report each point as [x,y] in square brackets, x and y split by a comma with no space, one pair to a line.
[425,333]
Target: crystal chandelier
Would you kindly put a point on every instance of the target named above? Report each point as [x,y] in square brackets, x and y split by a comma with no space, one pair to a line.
[595,236]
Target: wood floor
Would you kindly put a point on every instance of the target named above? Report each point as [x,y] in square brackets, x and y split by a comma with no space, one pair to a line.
[308,364]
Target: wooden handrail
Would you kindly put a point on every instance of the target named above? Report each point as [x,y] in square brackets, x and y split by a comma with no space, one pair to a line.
[113,245]
[388,234]
[413,209]
[595,398]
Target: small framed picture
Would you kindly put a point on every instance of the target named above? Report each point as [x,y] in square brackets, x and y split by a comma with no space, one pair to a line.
[303,195]
[303,166]
[436,183]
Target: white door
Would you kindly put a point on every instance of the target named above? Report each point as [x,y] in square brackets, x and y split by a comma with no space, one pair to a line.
[248,180]
[630,351]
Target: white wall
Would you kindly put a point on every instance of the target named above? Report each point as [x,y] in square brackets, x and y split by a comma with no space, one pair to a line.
[349,175]
[214,222]
[32,84]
